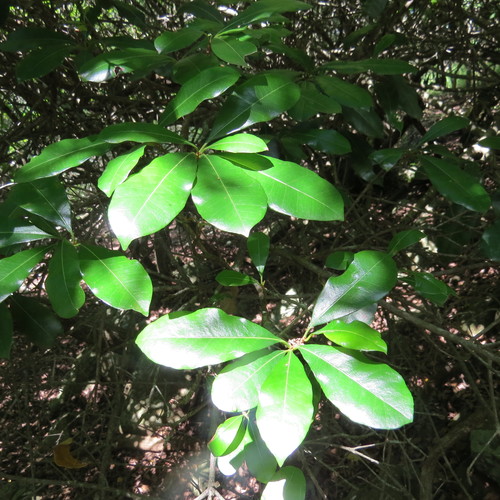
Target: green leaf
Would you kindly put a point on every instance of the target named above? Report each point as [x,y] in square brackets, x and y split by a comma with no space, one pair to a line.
[328,141]
[365,121]
[387,158]
[490,142]
[207,84]
[345,93]
[260,99]
[293,190]
[368,393]
[355,335]
[444,127]
[404,239]
[172,41]
[46,198]
[250,161]
[312,101]
[490,243]
[132,14]
[258,249]
[378,66]
[289,483]
[232,50]
[237,386]
[239,143]
[369,277]
[31,38]
[234,278]
[117,170]
[285,409]
[263,9]
[39,62]
[12,233]
[35,321]
[140,132]
[455,184]
[228,464]
[203,10]
[384,43]
[110,64]
[149,200]
[228,436]
[339,260]
[430,287]
[116,280]
[227,197]
[260,461]
[6,330]
[205,337]
[61,156]
[63,282]
[190,66]
[16,268]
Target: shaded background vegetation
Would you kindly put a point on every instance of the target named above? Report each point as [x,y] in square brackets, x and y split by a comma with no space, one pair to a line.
[143,428]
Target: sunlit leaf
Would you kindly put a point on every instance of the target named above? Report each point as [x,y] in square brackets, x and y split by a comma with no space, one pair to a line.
[369,277]
[368,393]
[240,143]
[149,200]
[404,239]
[285,409]
[12,233]
[232,50]
[258,249]
[234,278]
[116,280]
[444,127]
[140,132]
[227,197]
[289,483]
[228,436]
[205,337]
[63,282]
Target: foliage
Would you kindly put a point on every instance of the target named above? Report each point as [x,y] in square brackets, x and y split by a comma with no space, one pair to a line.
[250,122]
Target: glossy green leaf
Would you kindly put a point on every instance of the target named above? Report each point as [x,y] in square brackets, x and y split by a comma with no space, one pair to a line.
[234,278]
[404,239]
[293,190]
[6,331]
[207,84]
[63,282]
[444,127]
[289,483]
[285,409]
[355,335]
[387,158]
[232,50]
[250,161]
[16,268]
[149,200]
[46,198]
[430,287]
[35,321]
[140,132]
[119,282]
[110,64]
[117,170]
[345,93]
[328,141]
[205,337]
[239,143]
[14,232]
[263,9]
[366,121]
[31,38]
[260,99]
[258,249]
[490,243]
[260,460]
[237,386]
[228,436]
[455,184]
[227,197]
[339,260]
[369,277]
[490,142]
[61,156]
[39,62]
[368,393]
[228,464]
[312,101]
[378,66]
[384,43]
[190,66]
